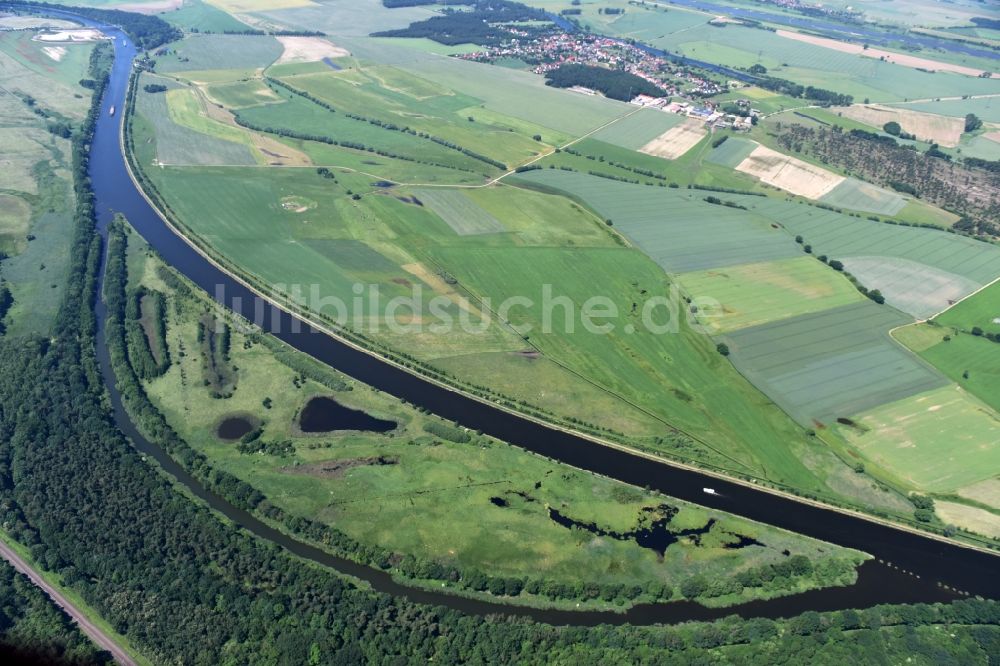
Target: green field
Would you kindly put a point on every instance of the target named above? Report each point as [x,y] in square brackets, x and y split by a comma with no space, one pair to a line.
[939,441]
[980,310]
[841,236]
[809,64]
[500,89]
[177,142]
[459,211]
[396,97]
[915,288]
[219,52]
[304,116]
[639,128]
[675,227]
[203,17]
[357,18]
[677,376]
[858,195]
[438,499]
[969,360]
[831,364]
[732,152]
[737,297]
[242,94]
[987,108]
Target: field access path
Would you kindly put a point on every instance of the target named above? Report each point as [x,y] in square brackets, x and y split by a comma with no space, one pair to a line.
[910,566]
[95,633]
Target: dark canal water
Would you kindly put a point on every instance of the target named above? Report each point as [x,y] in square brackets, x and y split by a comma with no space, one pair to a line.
[930,562]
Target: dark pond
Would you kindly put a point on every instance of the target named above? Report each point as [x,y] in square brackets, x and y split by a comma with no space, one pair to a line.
[234,427]
[657,536]
[322,414]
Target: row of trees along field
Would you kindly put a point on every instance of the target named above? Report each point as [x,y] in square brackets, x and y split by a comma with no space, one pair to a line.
[970,188]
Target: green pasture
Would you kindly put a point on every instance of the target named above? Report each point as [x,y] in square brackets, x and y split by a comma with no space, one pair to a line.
[378,166]
[987,108]
[177,141]
[656,362]
[980,310]
[396,97]
[831,364]
[840,236]
[970,361]
[732,152]
[676,227]
[15,217]
[653,24]
[459,211]
[917,289]
[242,94]
[203,17]
[219,52]
[735,297]
[639,128]
[856,194]
[938,441]
[429,45]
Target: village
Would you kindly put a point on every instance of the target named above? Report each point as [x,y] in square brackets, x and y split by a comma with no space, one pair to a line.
[685,91]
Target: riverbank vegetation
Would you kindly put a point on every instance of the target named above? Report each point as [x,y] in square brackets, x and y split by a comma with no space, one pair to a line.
[486,522]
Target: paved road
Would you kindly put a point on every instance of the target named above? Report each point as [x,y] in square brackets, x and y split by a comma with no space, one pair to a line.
[102,640]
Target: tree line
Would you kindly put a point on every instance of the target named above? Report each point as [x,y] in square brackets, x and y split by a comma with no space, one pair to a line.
[482,24]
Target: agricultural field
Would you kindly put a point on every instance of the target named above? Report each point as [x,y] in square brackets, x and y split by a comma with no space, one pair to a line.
[676,141]
[943,130]
[831,364]
[809,64]
[856,194]
[789,173]
[638,129]
[755,294]
[938,442]
[676,228]
[36,197]
[202,16]
[357,18]
[469,491]
[987,107]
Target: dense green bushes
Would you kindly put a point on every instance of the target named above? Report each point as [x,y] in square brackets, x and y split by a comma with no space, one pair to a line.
[144,338]
[614,83]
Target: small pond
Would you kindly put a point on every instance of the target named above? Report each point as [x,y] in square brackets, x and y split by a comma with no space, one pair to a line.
[234,427]
[323,414]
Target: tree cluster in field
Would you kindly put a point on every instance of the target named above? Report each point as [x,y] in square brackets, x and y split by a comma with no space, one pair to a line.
[153,88]
[792,89]
[727,203]
[140,347]
[146,30]
[969,188]
[485,23]
[393,4]
[726,190]
[614,83]
[874,294]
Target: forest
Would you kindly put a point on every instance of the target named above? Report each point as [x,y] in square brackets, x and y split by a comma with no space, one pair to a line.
[963,188]
[483,24]
[614,83]
[33,630]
